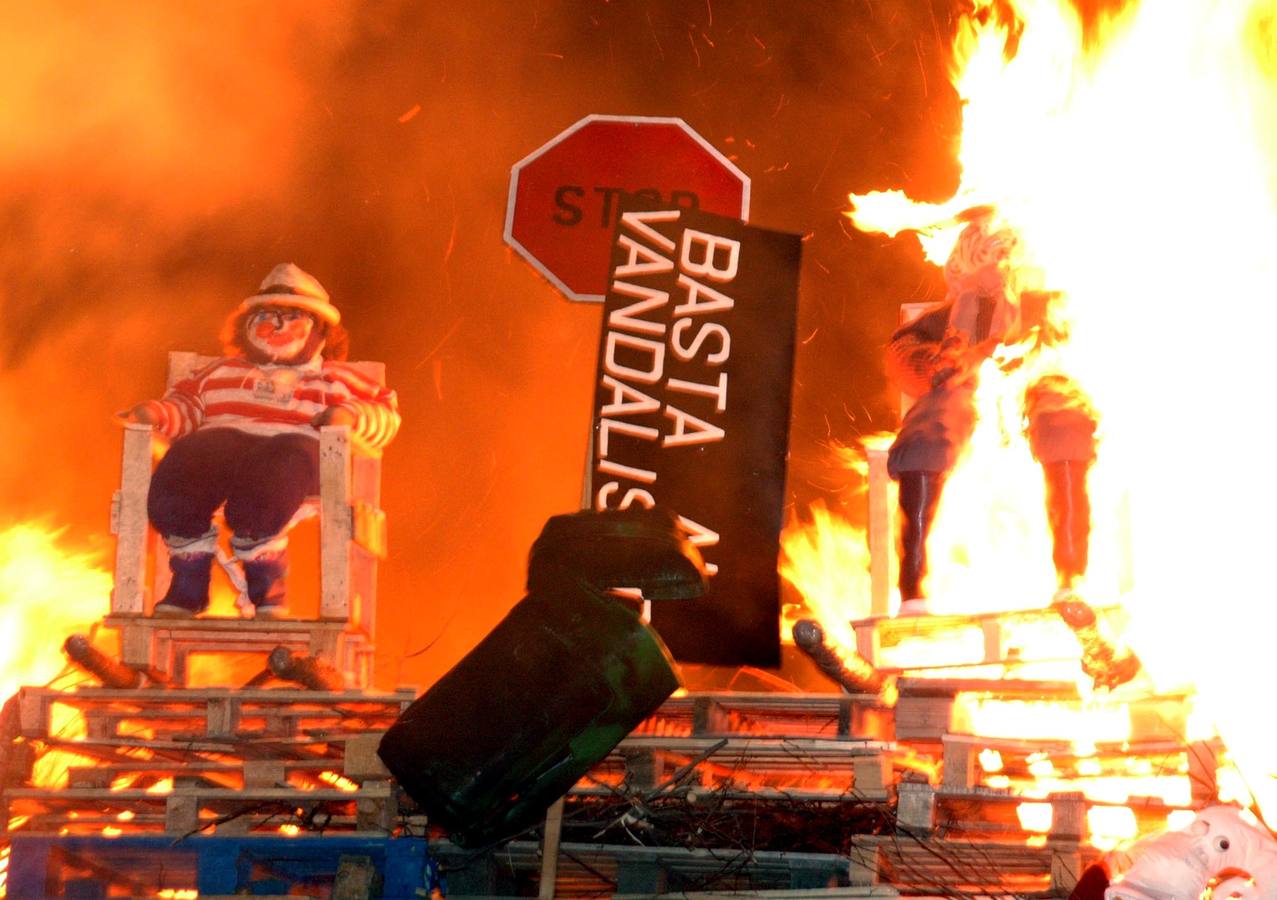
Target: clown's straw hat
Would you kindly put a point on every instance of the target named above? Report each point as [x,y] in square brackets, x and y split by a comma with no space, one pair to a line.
[288,285]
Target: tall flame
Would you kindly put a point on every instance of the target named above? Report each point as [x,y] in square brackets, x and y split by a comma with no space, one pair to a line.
[1139,168]
[46,593]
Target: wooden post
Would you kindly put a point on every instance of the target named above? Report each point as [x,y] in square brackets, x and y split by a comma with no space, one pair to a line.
[881,533]
[369,530]
[376,807]
[915,807]
[868,642]
[336,525]
[181,813]
[34,706]
[995,639]
[360,762]
[222,717]
[873,776]
[644,769]
[550,850]
[862,870]
[128,521]
[265,773]
[1068,816]
[1066,867]
[959,762]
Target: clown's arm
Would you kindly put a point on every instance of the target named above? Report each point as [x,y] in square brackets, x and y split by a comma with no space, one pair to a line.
[370,409]
[177,413]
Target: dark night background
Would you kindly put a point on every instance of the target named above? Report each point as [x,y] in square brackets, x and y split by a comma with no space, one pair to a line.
[157,160]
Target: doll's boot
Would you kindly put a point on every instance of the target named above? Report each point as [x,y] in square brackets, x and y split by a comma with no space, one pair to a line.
[1108,664]
[265,574]
[187,594]
[919,496]
[266,577]
[1068,506]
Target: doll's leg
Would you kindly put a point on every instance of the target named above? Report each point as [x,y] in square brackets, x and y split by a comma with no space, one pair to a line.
[919,496]
[1068,508]
[1062,437]
[188,486]
[934,432]
[277,476]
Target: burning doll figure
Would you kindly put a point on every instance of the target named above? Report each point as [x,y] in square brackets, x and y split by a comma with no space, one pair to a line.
[936,359]
[245,432]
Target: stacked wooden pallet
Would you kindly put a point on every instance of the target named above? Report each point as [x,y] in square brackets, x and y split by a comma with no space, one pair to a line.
[968,812]
[926,803]
[592,870]
[212,760]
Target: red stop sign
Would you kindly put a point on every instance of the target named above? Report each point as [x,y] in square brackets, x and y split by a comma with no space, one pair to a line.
[566,196]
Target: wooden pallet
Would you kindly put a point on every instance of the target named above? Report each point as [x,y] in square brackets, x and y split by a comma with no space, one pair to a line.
[239,759]
[587,870]
[837,715]
[998,635]
[215,866]
[757,765]
[168,644]
[983,815]
[193,808]
[826,893]
[111,750]
[358,761]
[927,864]
[928,708]
[192,791]
[1019,761]
[213,712]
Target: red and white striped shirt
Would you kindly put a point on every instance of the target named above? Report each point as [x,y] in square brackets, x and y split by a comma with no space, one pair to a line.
[269,400]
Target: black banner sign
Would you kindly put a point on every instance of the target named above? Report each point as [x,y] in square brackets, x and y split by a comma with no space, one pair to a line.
[692,411]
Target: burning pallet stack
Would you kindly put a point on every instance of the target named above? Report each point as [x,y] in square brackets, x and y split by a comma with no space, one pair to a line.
[765,791]
[851,795]
[157,789]
[172,789]
[964,772]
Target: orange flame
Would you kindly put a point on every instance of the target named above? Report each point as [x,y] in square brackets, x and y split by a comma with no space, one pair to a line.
[1137,164]
[827,560]
[47,593]
[1102,171]
[341,782]
[1146,197]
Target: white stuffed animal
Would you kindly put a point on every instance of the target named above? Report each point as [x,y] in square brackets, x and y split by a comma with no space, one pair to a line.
[1218,855]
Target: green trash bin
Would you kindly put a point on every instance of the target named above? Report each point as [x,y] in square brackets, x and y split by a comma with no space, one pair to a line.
[567,674]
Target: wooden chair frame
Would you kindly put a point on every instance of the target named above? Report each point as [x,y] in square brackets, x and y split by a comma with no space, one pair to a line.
[352,535]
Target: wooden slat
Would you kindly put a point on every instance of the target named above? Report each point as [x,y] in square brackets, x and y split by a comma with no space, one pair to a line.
[881,536]
[771,714]
[130,523]
[336,530]
[221,625]
[88,696]
[369,540]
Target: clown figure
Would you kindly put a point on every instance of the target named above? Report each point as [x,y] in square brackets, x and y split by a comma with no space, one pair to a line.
[245,432]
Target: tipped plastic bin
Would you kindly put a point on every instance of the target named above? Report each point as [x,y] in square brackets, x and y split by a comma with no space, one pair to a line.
[567,674]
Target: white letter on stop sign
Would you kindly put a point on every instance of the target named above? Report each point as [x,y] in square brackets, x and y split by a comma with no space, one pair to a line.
[711,245]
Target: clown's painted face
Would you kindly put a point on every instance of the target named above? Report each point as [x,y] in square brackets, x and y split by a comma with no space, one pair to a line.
[281,334]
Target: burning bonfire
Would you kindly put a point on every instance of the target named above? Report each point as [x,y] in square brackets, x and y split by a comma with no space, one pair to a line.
[1136,155]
